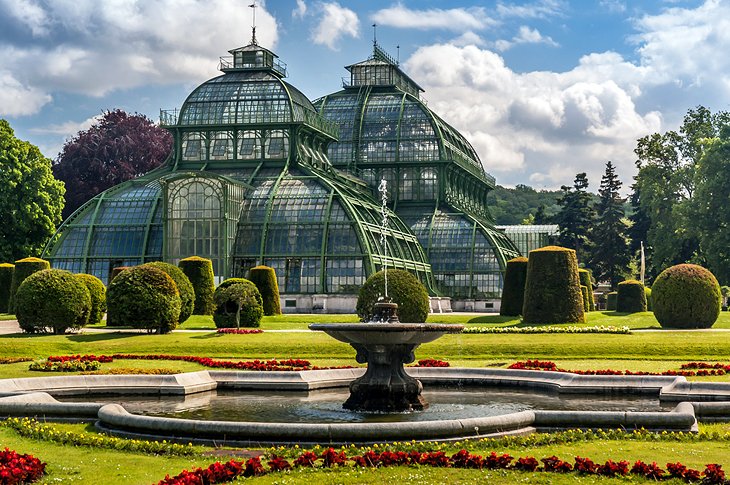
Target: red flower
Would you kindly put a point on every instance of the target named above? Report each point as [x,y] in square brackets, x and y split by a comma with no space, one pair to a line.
[306,459]
[555,464]
[713,474]
[527,464]
[278,463]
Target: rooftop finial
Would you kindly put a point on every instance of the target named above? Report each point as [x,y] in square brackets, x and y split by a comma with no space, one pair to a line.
[375,34]
[253,24]
[397,62]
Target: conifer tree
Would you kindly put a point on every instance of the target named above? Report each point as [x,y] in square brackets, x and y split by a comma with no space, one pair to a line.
[575,217]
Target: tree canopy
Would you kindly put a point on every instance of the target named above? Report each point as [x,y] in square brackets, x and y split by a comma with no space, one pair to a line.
[31,199]
[512,206]
[575,217]
[117,148]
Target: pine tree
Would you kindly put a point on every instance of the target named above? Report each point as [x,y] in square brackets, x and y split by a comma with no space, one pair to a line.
[611,254]
[575,217]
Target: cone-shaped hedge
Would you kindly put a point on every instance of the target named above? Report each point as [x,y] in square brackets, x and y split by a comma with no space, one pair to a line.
[552,291]
[585,279]
[6,280]
[143,297]
[116,271]
[200,273]
[630,297]
[686,296]
[586,302]
[513,291]
[184,287]
[52,300]
[611,301]
[647,292]
[24,268]
[264,278]
[238,304]
[97,291]
[403,288]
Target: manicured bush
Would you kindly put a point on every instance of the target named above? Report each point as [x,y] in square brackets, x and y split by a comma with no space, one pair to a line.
[238,304]
[184,287]
[611,301]
[686,296]
[552,291]
[586,279]
[24,268]
[143,297]
[403,288]
[6,280]
[200,273]
[513,291]
[265,280]
[116,271]
[647,292]
[97,291]
[52,300]
[586,301]
[630,297]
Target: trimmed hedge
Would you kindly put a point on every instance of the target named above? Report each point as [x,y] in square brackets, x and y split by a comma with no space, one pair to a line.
[184,287]
[586,301]
[630,297]
[513,290]
[403,288]
[586,279]
[552,290]
[264,278]
[143,297]
[6,280]
[238,303]
[200,273]
[647,292]
[52,299]
[97,292]
[611,301]
[116,271]
[686,296]
[24,268]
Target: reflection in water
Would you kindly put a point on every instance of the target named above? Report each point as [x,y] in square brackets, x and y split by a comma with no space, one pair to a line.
[326,406]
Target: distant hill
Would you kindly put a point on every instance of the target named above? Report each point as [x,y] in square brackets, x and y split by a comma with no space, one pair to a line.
[512,206]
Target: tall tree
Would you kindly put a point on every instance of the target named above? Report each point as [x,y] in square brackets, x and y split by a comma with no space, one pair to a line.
[117,148]
[31,200]
[575,217]
[610,254]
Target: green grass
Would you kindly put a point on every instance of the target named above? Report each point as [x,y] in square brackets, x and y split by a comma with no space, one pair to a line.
[6,316]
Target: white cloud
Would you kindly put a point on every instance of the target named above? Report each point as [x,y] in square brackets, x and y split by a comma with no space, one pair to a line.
[539,9]
[17,99]
[301,9]
[68,128]
[468,38]
[28,13]
[525,35]
[456,19]
[613,6]
[336,22]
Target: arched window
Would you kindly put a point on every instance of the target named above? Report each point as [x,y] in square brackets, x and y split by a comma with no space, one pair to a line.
[249,144]
[193,146]
[277,144]
[221,145]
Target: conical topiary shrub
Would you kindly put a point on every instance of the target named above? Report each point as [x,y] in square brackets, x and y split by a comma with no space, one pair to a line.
[513,291]
[184,287]
[585,279]
[686,296]
[630,297]
[611,301]
[97,292]
[552,290]
[6,280]
[24,268]
[586,303]
[264,278]
[200,273]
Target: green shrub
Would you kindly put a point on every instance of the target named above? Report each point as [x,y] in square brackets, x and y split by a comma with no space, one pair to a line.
[513,290]
[686,296]
[647,292]
[6,280]
[238,303]
[97,291]
[552,290]
[631,297]
[52,299]
[200,273]
[611,301]
[586,279]
[586,301]
[403,288]
[184,287]
[116,271]
[143,297]
[265,280]
[23,269]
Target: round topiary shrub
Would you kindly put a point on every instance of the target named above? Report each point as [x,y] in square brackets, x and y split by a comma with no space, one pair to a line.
[686,296]
[630,297]
[403,288]
[585,278]
[513,290]
[6,280]
[97,292]
[586,302]
[647,292]
[184,287]
[552,290]
[200,273]
[238,303]
[52,299]
[143,297]
[24,268]
[264,278]
[116,271]
[611,301]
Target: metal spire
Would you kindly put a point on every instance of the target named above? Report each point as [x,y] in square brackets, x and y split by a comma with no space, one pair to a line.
[375,35]
[253,24]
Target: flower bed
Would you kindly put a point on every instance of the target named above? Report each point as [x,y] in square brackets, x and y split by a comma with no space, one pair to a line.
[702,369]
[14,360]
[239,331]
[19,469]
[64,366]
[550,329]
[432,363]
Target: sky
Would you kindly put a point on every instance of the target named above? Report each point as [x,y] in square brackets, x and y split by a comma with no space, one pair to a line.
[543,89]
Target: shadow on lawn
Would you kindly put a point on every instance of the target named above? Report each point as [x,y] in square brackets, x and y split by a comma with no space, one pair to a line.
[100,337]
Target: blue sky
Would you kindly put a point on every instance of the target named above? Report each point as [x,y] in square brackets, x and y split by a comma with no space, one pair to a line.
[543,89]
